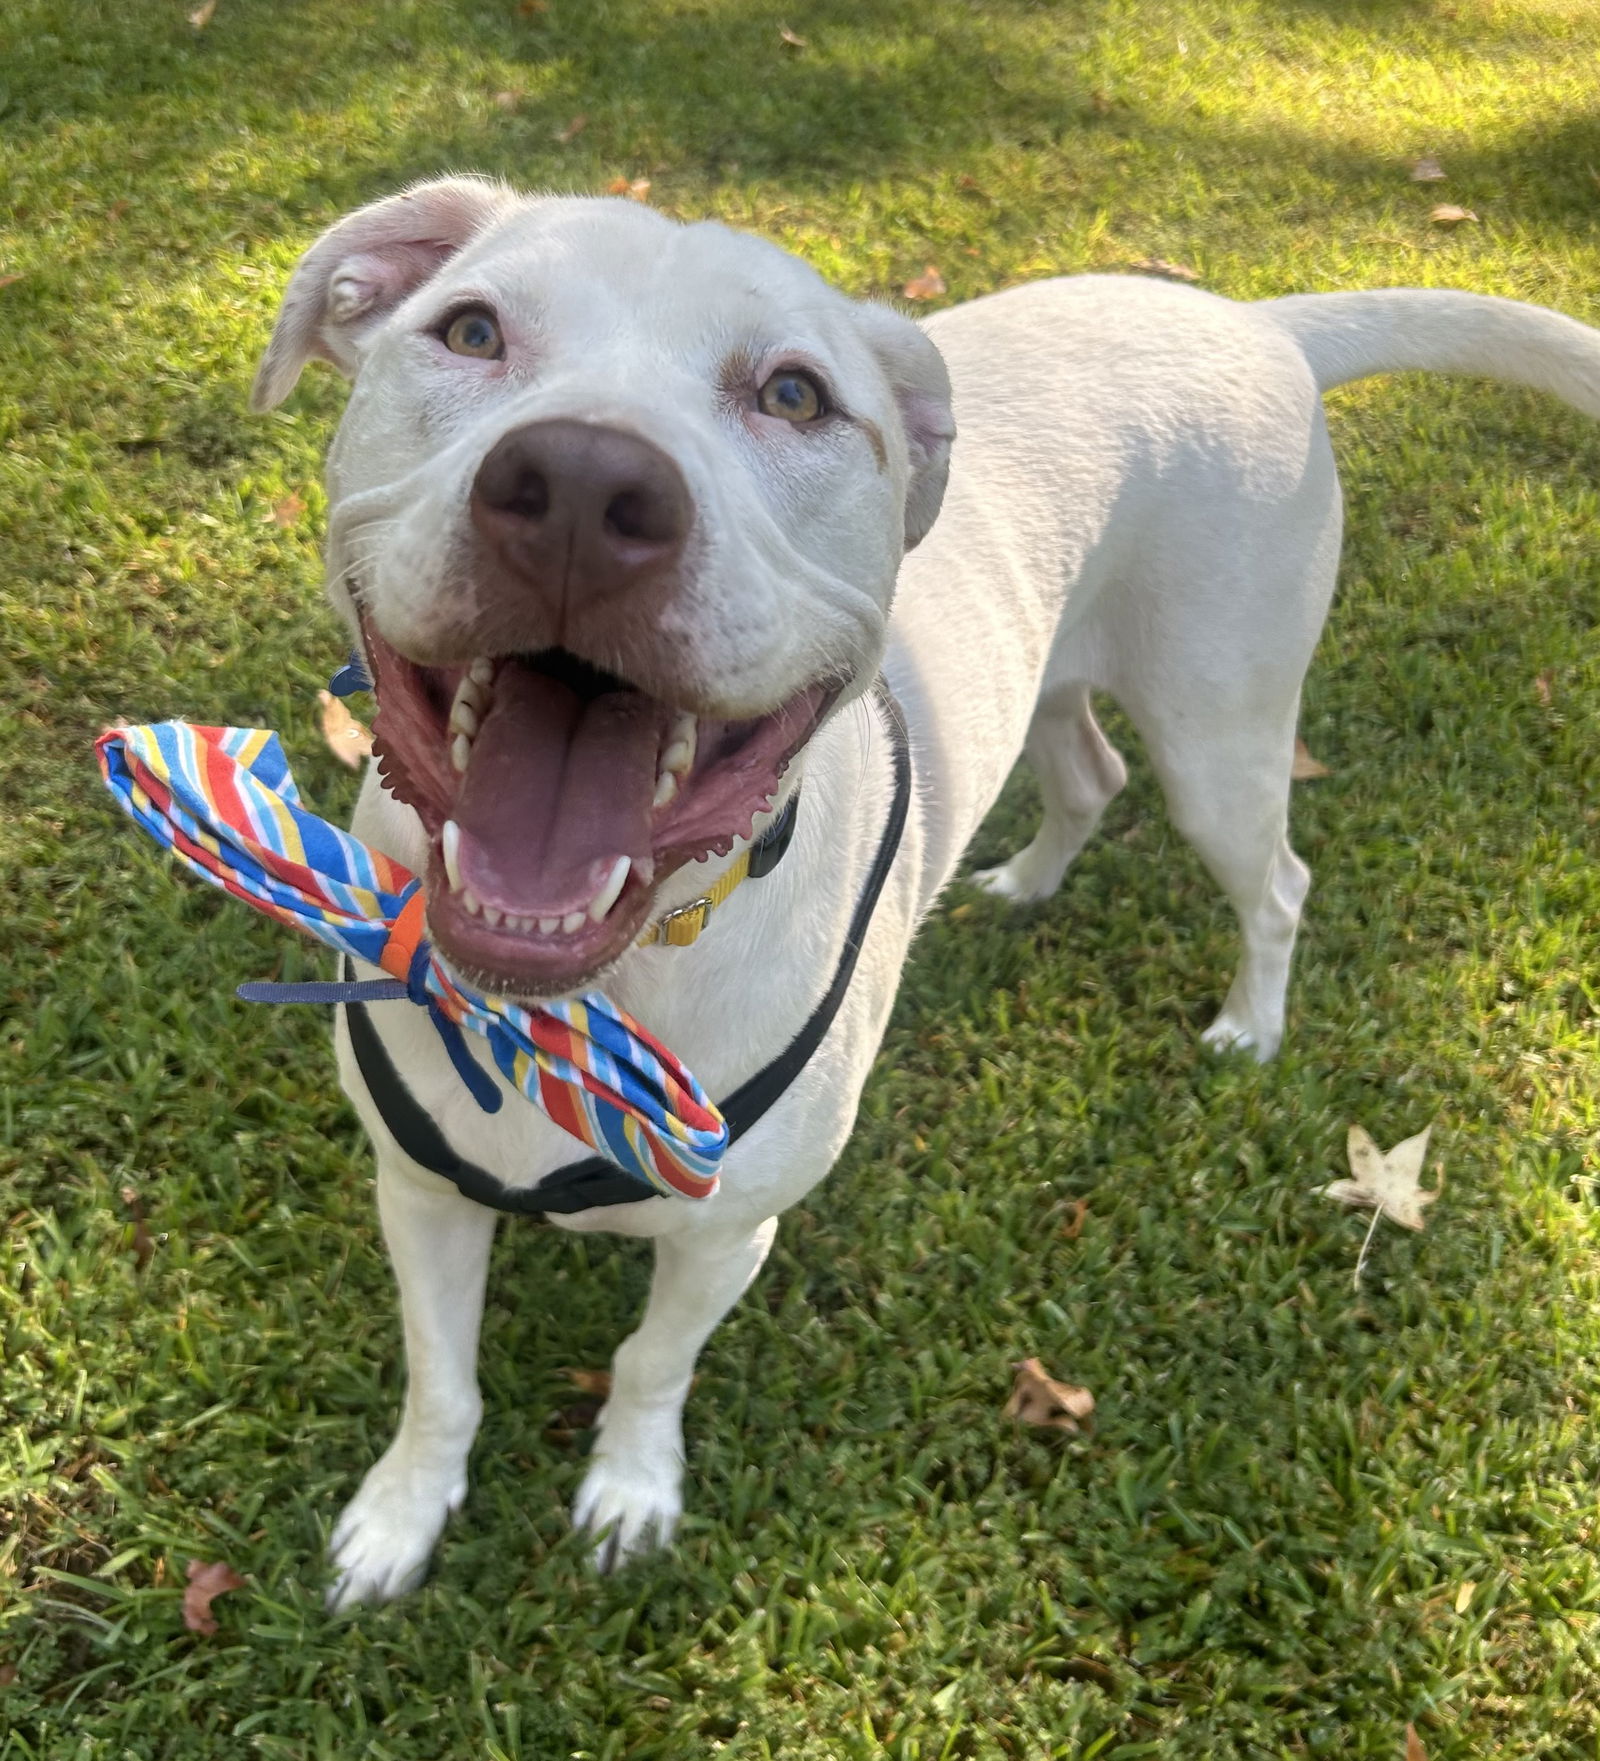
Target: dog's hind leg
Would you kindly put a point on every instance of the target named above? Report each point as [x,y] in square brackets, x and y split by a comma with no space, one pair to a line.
[1079,771]
[439,1243]
[632,1495]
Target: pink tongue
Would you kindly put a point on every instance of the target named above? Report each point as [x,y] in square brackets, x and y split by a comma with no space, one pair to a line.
[555,791]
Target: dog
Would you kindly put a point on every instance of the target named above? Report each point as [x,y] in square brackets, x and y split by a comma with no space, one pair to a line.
[626,517]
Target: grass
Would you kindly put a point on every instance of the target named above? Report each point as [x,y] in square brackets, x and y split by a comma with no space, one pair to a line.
[1309,1515]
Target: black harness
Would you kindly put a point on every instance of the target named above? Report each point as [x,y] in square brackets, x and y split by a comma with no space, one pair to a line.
[594,1182]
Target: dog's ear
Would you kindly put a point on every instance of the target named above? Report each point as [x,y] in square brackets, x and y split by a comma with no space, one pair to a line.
[363,266]
[921,383]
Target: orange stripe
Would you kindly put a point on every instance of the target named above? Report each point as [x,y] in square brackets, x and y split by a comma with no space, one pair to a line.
[404,935]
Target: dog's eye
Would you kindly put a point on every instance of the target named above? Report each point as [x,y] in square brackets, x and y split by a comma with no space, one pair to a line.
[475,332]
[792,397]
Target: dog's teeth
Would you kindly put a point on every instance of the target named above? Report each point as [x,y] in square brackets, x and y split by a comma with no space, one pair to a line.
[460,752]
[450,844]
[645,868]
[481,672]
[469,901]
[666,788]
[492,917]
[549,925]
[464,717]
[573,922]
[602,902]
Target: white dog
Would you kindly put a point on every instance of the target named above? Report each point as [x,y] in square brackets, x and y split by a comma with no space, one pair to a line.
[620,513]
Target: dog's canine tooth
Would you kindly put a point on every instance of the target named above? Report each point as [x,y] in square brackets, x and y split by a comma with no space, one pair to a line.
[460,752]
[450,846]
[573,922]
[469,900]
[481,672]
[464,717]
[666,788]
[682,739]
[602,902]
[549,925]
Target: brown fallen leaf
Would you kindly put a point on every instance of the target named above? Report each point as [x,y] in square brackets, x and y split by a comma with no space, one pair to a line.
[1160,266]
[507,100]
[8,1674]
[1427,169]
[1390,1181]
[1414,1748]
[1077,1216]
[1038,1399]
[144,1245]
[573,129]
[530,8]
[929,285]
[287,512]
[206,1583]
[1541,688]
[1447,214]
[793,38]
[1101,103]
[6,280]
[597,1382]
[347,739]
[1306,768]
[1464,1595]
[201,16]
[638,189]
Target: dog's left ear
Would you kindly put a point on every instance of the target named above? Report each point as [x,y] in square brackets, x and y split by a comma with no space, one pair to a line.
[921,383]
[363,266]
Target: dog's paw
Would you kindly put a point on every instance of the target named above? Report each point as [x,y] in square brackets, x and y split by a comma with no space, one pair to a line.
[384,1537]
[1013,881]
[629,1506]
[1228,1034]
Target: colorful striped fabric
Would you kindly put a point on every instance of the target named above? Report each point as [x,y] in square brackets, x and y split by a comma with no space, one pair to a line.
[224,801]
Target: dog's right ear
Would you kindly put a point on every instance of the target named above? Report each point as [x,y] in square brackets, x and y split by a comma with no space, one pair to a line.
[363,266]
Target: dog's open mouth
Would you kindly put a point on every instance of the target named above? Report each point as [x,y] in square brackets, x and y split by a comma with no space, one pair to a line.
[557,797]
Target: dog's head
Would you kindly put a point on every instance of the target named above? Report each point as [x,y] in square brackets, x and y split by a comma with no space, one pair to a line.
[617,506]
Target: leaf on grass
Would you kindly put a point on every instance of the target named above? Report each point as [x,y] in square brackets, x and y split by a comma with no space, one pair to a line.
[1160,266]
[1541,688]
[8,1674]
[206,1583]
[529,8]
[6,280]
[1447,214]
[1038,1399]
[1101,103]
[1306,768]
[573,129]
[1414,1748]
[1464,1596]
[1427,169]
[1390,1182]
[287,512]
[596,1382]
[638,189]
[143,1244]
[507,100]
[1077,1216]
[201,16]
[929,285]
[347,739]
[793,38]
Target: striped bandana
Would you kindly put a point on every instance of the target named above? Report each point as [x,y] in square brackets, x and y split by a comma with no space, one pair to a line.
[224,801]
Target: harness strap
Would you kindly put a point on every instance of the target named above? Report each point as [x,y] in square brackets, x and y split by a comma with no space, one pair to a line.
[594,1182]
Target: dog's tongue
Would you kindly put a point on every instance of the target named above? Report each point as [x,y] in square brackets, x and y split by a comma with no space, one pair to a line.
[556,789]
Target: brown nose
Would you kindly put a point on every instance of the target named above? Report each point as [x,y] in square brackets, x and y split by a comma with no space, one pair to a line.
[577,509]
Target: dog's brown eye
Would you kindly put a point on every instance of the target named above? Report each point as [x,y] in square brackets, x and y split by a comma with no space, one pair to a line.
[792,397]
[475,332]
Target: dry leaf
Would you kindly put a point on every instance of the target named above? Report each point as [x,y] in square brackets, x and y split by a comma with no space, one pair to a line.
[1390,1182]
[1427,170]
[6,280]
[1541,688]
[206,1583]
[792,39]
[144,1246]
[638,189]
[507,100]
[1464,1596]
[8,1674]
[287,512]
[1414,1748]
[201,16]
[1078,1215]
[597,1382]
[1306,768]
[573,129]
[929,285]
[1160,266]
[528,8]
[1038,1399]
[1448,214]
[347,739]
[1102,103]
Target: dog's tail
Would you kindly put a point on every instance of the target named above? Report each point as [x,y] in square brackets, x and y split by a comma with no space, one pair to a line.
[1347,336]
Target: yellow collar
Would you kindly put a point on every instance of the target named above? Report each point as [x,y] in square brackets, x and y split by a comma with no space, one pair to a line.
[681,927]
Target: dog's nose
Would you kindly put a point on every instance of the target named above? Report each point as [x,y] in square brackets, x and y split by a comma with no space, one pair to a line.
[576,507]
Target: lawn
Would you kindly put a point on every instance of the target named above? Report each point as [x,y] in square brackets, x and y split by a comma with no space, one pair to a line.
[1310,1513]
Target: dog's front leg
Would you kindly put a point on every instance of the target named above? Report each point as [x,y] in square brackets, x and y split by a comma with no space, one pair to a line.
[439,1243]
[632,1495]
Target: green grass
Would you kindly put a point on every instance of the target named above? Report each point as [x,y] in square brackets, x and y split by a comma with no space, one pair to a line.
[1261,1550]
